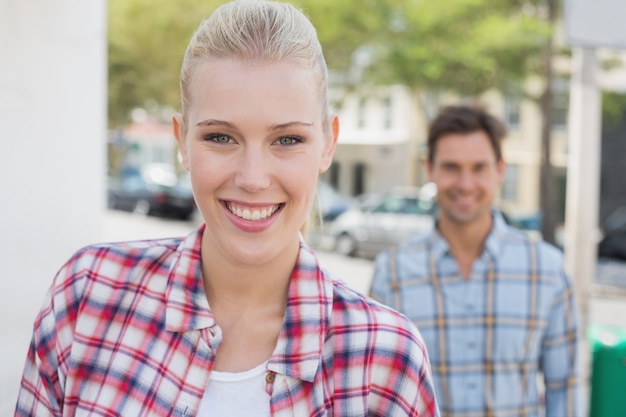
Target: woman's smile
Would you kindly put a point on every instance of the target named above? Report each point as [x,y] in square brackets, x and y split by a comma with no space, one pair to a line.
[255,213]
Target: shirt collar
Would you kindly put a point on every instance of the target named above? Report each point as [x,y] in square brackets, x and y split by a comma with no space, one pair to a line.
[496,237]
[298,352]
[493,243]
[187,307]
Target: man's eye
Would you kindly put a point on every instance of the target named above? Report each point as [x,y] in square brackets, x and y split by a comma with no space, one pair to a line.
[288,140]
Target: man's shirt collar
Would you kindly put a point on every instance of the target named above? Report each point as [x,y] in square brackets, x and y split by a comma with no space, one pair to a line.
[493,244]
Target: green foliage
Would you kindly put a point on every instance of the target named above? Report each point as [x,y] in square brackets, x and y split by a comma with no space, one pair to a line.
[613,109]
[147,40]
[467,46]
[344,26]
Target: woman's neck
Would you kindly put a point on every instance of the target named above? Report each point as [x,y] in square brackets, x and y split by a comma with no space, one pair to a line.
[229,284]
[248,303]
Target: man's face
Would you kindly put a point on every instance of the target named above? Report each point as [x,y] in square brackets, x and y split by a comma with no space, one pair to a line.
[467,175]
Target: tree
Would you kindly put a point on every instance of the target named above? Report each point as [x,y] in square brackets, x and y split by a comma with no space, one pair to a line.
[465,46]
[461,46]
[146,43]
[546,176]
[345,26]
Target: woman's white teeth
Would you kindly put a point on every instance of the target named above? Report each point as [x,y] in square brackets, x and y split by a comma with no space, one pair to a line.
[253,215]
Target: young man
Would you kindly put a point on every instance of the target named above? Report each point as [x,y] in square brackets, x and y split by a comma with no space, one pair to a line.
[494,306]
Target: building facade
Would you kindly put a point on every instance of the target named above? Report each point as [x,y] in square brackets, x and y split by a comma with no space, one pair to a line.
[382,142]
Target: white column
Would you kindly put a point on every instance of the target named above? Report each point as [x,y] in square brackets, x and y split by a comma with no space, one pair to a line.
[53,130]
[583,183]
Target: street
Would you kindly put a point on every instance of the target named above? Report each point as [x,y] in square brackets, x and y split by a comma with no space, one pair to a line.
[606,309]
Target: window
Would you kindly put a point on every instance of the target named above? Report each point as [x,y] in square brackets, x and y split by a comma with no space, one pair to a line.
[358,184]
[560,102]
[387,113]
[361,113]
[512,104]
[509,183]
[333,174]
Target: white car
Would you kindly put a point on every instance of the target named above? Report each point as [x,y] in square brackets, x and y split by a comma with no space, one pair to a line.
[383,220]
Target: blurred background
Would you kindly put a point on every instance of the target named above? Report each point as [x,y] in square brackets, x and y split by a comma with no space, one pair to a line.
[87,92]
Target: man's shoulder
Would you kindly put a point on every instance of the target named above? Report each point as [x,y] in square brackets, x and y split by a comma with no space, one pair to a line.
[418,244]
[518,240]
[524,253]
[412,252]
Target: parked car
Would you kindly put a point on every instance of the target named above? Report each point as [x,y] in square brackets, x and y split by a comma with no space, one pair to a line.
[331,202]
[154,190]
[613,243]
[383,220]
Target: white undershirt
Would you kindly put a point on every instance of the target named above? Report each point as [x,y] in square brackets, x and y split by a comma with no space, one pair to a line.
[236,394]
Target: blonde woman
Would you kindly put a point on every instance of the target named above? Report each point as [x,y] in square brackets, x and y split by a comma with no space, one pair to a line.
[238,318]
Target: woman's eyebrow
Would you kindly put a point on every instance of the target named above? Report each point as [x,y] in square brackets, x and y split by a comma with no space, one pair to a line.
[214,122]
[290,124]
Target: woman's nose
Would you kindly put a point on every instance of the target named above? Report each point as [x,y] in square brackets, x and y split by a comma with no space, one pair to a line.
[254,170]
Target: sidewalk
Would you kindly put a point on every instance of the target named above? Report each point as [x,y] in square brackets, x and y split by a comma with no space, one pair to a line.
[606,309]
[607,302]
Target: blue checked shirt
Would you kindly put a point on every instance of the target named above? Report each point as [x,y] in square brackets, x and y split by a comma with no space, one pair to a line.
[492,336]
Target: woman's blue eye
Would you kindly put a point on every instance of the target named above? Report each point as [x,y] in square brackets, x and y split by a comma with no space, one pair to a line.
[219,138]
[288,140]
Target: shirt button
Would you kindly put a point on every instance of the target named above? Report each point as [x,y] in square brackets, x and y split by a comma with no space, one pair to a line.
[471,385]
[269,378]
[471,345]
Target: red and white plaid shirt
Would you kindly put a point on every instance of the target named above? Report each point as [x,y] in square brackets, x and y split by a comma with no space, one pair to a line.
[126,330]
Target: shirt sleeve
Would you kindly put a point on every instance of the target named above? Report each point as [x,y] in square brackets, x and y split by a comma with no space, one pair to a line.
[560,356]
[41,390]
[402,379]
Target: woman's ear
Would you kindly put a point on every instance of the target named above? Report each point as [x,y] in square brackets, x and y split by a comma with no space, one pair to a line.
[178,128]
[331,144]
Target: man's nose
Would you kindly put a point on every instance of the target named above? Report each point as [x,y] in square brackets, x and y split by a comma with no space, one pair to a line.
[466,179]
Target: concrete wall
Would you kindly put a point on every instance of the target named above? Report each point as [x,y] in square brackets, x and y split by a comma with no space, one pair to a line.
[53,124]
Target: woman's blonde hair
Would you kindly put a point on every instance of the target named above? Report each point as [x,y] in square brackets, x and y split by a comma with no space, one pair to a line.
[256,30]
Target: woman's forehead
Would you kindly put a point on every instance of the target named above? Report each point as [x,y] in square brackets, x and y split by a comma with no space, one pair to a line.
[219,83]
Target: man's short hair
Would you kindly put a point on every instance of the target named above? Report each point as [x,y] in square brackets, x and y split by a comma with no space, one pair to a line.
[464,119]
